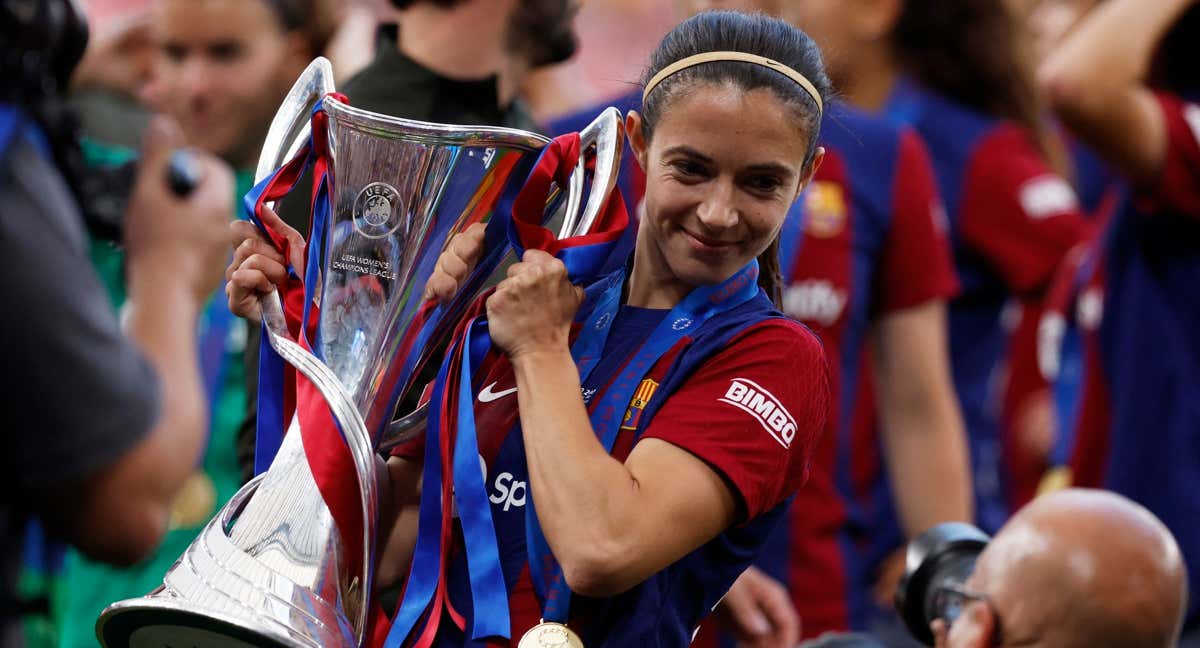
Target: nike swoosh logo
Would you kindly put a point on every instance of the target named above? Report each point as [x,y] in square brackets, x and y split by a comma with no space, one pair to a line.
[487,395]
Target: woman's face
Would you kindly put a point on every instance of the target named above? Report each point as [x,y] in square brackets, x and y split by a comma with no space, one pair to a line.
[225,65]
[722,169]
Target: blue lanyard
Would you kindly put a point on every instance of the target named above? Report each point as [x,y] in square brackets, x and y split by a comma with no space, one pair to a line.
[699,306]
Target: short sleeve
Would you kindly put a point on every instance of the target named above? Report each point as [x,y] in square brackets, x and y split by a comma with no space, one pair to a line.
[753,412]
[1017,212]
[1178,185]
[77,393]
[916,263]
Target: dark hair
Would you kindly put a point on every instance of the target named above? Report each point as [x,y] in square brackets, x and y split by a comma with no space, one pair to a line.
[316,19]
[720,31]
[968,51]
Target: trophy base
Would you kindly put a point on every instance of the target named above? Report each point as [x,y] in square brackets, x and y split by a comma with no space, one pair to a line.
[217,595]
[157,623]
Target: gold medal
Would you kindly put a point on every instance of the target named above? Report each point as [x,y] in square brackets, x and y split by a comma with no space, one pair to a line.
[550,635]
[195,502]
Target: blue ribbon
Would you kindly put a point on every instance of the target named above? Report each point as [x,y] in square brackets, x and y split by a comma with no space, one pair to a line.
[700,305]
[427,555]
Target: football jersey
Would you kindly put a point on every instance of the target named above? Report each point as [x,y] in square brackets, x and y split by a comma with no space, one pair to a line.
[871,241]
[1150,340]
[720,394]
[1011,221]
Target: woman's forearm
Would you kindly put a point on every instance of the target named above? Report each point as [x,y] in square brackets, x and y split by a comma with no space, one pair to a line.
[584,497]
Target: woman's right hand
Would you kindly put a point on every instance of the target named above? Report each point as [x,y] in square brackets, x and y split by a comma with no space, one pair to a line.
[455,264]
[257,267]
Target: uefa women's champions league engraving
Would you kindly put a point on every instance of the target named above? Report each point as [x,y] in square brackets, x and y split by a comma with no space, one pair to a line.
[273,567]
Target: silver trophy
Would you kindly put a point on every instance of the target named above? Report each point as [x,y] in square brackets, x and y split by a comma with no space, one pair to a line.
[270,568]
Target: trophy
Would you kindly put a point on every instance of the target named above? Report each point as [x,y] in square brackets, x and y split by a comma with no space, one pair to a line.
[271,568]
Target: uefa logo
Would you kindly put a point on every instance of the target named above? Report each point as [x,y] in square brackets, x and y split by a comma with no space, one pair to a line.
[377,211]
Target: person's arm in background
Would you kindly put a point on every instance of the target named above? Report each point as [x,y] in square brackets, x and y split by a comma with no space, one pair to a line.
[176,248]
[1096,83]
[924,441]
[924,444]
[923,436]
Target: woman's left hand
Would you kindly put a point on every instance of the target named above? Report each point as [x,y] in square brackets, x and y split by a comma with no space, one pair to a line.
[531,311]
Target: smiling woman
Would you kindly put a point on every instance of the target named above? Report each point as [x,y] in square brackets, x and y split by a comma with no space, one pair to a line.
[641,481]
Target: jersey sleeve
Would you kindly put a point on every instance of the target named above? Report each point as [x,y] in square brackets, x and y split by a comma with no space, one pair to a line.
[77,393]
[916,265]
[753,412]
[1178,184]
[1016,212]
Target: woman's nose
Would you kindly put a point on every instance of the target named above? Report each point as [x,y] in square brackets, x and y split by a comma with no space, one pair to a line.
[718,209]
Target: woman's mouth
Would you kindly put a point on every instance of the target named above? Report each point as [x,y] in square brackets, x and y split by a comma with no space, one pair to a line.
[707,245]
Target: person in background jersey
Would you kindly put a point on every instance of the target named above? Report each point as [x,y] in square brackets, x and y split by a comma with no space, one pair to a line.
[951,71]
[652,536]
[1125,83]
[223,68]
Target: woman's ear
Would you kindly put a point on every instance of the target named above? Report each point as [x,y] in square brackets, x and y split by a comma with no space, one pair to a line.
[637,138]
[818,158]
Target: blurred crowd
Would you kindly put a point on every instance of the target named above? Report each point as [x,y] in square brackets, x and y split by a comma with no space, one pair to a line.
[1000,252]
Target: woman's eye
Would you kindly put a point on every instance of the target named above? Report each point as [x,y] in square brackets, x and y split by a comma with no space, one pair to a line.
[687,168]
[765,184]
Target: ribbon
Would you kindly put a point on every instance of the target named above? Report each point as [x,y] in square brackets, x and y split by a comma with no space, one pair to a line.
[454,474]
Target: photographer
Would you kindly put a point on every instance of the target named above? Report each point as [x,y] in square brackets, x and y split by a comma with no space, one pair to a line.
[101,428]
[1075,568]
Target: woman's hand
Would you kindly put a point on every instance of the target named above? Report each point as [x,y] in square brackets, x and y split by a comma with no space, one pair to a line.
[531,311]
[257,267]
[455,263]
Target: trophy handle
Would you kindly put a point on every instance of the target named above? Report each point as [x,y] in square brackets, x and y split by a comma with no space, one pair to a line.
[606,135]
[292,123]
[353,427]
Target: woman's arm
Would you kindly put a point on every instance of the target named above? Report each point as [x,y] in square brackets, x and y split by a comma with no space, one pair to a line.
[1096,83]
[923,437]
[610,525]
[400,504]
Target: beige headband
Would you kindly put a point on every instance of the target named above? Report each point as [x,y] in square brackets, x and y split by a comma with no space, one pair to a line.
[709,57]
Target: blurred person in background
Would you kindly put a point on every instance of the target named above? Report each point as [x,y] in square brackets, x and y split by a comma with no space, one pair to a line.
[222,68]
[116,69]
[101,426]
[1125,82]
[951,70]
[445,61]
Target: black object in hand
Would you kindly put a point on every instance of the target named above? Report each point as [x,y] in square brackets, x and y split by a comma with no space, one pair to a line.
[105,191]
[183,172]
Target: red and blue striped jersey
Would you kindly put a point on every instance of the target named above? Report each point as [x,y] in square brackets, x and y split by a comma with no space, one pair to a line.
[873,243]
[1012,219]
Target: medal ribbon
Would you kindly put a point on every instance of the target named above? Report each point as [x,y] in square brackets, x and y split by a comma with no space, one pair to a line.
[607,411]
[452,434]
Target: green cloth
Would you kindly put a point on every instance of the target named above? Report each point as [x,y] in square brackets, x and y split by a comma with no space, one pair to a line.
[93,586]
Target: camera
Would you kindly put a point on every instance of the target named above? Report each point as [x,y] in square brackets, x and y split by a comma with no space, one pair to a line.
[942,557]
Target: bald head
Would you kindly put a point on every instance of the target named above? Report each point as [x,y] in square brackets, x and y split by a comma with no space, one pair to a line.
[1085,568]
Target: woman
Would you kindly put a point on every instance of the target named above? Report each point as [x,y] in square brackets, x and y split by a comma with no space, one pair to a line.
[649,537]
[1124,81]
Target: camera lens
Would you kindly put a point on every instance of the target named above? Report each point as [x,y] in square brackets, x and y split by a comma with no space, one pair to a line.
[937,563]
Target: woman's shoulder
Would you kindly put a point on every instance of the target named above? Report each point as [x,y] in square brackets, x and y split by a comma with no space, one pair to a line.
[774,343]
